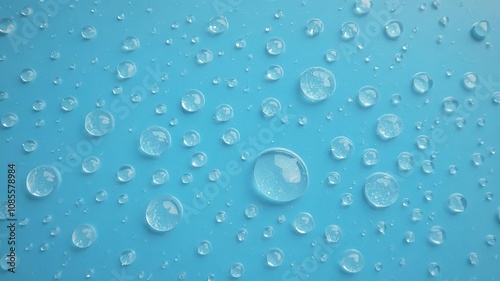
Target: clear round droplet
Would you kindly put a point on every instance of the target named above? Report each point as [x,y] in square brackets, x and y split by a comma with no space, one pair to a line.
[437,235]
[450,104]
[480,30]
[192,100]
[393,29]
[125,173]
[155,140]
[83,236]
[362,7]
[28,75]
[367,96]
[220,216]
[191,138]
[204,56]
[101,196]
[230,136]
[352,261]
[457,203]
[130,43]
[275,257]
[434,269]
[303,223]
[317,83]
[218,24]
[406,161]
[370,157]
[127,257]
[69,103]
[389,126]
[409,237]
[251,211]
[126,69]
[199,159]
[314,27]
[333,233]
[333,178]
[274,72]
[160,177]
[381,190]
[341,147]
[280,175]
[223,112]
[42,180]
[88,32]
[470,81]
[477,159]
[270,107]
[99,122]
[236,270]
[422,82]
[275,46]
[428,166]
[332,55]
[204,247]
[7,26]
[91,164]
[349,30]
[9,119]
[164,213]
[268,232]
[30,145]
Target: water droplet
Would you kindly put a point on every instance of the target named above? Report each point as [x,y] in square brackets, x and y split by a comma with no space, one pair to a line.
[237,270]
[231,136]
[346,199]
[477,159]
[130,43]
[30,145]
[127,257]
[126,69]
[99,122]
[42,180]
[270,107]
[155,140]
[204,247]
[393,29]
[223,112]
[191,138]
[370,157]
[4,96]
[473,258]
[362,7]
[409,237]
[7,26]
[332,55]
[186,178]
[268,232]
[218,24]
[389,126]
[125,173]
[333,233]
[274,72]
[317,83]
[349,30]
[314,27]
[275,46]
[198,159]
[91,164]
[9,119]
[434,269]
[470,81]
[275,257]
[381,190]
[480,29]
[101,196]
[450,104]
[491,239]
[160,177]
[83,236]
[28,75]
[204,56]
[280,175]
[192,100]
[164,213]
[423,142]
[406,161]
[428,166]
[457,203]
[240,44]
[88,32]
[367,96]
[422,82]
[220,216]
[333,178]
[437,235]
[496,97]
[352,261]
[341,147]
[303,223]
[251,211]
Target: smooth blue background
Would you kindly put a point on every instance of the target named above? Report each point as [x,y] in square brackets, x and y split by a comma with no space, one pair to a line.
[64,135]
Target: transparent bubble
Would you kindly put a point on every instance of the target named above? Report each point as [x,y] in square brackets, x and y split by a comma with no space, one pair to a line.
[280,175]
[160,177]
[434,269]
[370,157]
[470,80]
[332,55]
[303,223]
[317,83]
[199,159]
[352,261]
[88,32]
[333,178]
[349,30]
[126,69]
[218,24]
[9,119]
[236,270]
[192,100]
[450,104]
[191,138]
[274,72]
[125,173]
[251,211]
[187,178]
[155,140]
[423,142]
[42,180]
[396,99]
[204,247]
[164,213]
[341,147]
[220,216]
[460,122]
[381,190]
[333,233]
[275,46]
[428,166]
[477,159]
[223,112]
[314,27]
[389,126]
[270,107]
[275,257]
[457,203]
[409,237]
[69,103]
[204,56]
[99,122]
[7,26]
[28,75]
[367,96]
[406,161]
[83,236]
[130,43]
[393,29]
[480,30]
[362,7]
[437,235]
[127,257]
[268,232]
[346,199]
[91,164]
[230,136]
[30,145]
[422,82]
[101,196]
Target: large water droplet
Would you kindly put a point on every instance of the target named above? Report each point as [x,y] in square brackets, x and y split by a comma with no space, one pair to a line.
[333,233]
[362,7]
[223,112]
[125,173]
[389,126]
[270,107]
[204,56]
[127,257]
[42,180]
[352,261]
[130,43]
[230,136]
[480,29]
[317,83]
[7,26]
[88,32]
[28,75]
[126,69]
[218,24]
[367,96]
[393,29]
[160,176]
[406,161]
[99,122]
[83,236]
[349,30]
[314,27]
[450,104]
[9,119]
[91,164]
[204,247]
[381,190]
[236,270]
[274,72]
[164,213]
[192,100]
[191,138]
[422,82]
[437,235]
[457,203]
[341,147]
[303,223]
[275,46]
[155,140]
[69,103]
[275,257]
[470,81]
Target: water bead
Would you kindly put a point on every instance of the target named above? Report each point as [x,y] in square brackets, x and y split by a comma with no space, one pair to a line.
[127,257]
[69,103]
[83,236]
[389,126]
[280,175]
[480,30]
[370,157]
[434,269]
[362,7]
[450,104]
[303,223]
[130,43]
[477,159]
[191,138]
[91,164]
[275,46]
[333,178]
[88,32]
[341,147]
[381,190]
[160,177]
[126,69]
[332,55]
[220,216]
[42,180]
[314,27]
[422,82]
[204,56]
[230,136]
[346,199]
[352,261]
[125,173]
[204,247]
[28,75]
[198,159]
[496,97]
[251,211]
[317,83]
[9,119]
[393,29]
[192,100]
[164,213]
[268,232]
[99,122]
[275,257]
[333,233]
[186,178]
[423,142]
[223,112]
[470,81]
[367,96]
[7,26]
[428,166]
[457,203]
[270,107]
[236,270]
[437,235]
[217,25]
[349,30]
[155,140]
[274,72]
[101,196]
[30,145]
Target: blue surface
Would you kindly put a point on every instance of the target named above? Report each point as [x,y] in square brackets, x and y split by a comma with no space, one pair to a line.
[63,141]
